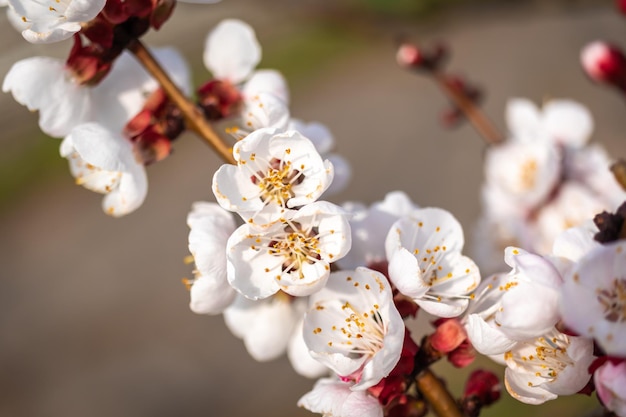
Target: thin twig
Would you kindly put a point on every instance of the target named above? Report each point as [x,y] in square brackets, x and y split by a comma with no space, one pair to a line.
[437,395]
[473,113]
[193,116]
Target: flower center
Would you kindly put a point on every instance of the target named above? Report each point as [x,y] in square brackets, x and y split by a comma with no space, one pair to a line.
[613,300]
[276,183]
[544,358]
[528,174]
[296,246]
[361,332]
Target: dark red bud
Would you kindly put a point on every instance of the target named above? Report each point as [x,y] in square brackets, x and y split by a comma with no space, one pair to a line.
[481,389]
[604,63]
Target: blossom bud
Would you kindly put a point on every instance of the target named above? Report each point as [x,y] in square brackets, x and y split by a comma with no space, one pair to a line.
[409,56]
[604,62]
[621,5]
[448,336]
[481,389]
[412,57]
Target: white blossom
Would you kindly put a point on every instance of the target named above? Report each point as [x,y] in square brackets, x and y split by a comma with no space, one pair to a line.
[541,369]
[425,262]
[517,306]
[598,282]
[292,255]
[354,328]
[276,171]
[104,162]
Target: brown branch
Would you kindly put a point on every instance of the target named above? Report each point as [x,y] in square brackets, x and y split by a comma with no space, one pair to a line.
[193,116]
[473,113]
[437,395]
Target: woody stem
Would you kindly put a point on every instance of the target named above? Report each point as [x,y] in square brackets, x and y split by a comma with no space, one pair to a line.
[437,395]
[473,113]
[193,116]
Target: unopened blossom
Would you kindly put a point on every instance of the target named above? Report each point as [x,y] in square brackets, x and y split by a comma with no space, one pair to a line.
[292,255]
[266,326]
[610,383]
[354,328]
[51,20]
[334,398]
[598,282]
[276,171]
[104,162]
[210,227]
[520,305]
[546,367]
[425,262]
[604,63]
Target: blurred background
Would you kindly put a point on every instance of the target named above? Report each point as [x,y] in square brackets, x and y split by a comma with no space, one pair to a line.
[93,316]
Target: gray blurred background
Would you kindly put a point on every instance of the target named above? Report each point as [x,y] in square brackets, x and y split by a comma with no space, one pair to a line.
[93,316]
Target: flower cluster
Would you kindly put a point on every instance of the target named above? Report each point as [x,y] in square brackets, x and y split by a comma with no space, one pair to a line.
[543,179]
[332,286]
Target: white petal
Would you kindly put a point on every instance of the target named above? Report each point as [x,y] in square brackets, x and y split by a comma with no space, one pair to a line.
[43,84]
[485,338]
[265,326]
[343,174]
[300,358]
[405,274]
[522,118]
[267,81]
[568,122]
[517,385]
[232,51]
[264,110]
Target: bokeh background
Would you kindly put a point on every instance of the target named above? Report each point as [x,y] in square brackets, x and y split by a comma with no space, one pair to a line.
[93,316]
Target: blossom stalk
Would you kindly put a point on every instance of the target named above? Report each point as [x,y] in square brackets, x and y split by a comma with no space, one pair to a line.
[478,119]
[437,395]
[193,115]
